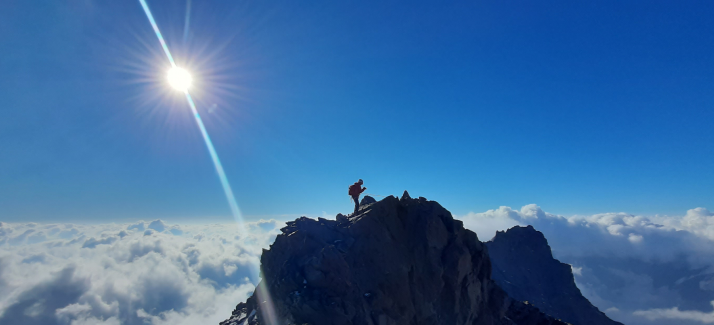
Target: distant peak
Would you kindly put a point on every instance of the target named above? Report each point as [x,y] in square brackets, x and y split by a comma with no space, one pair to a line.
[406,196]
[522,231]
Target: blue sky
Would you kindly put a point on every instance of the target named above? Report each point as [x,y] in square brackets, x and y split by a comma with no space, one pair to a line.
[580,108]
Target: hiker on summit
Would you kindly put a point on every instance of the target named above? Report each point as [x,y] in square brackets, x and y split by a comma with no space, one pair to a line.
[355,190]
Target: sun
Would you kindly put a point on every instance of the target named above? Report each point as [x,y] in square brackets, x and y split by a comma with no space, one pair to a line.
[179,78]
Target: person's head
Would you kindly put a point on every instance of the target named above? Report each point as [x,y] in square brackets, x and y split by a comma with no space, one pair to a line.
[360,182]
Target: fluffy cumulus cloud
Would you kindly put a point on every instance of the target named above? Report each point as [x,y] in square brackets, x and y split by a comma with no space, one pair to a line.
[139,273]
[639,270]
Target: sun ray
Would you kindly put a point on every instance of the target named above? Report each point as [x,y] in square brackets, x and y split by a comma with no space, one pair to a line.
[181,78]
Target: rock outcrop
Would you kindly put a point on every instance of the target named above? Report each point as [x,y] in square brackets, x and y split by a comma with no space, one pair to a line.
[523,265]
[396,261]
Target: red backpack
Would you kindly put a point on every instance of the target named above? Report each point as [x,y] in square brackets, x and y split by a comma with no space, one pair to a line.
[353,189]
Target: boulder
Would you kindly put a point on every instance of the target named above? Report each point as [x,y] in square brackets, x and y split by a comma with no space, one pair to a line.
[366,200]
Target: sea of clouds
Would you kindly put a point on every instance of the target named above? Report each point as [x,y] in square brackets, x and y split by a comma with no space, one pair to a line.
[639,270]
[141,273]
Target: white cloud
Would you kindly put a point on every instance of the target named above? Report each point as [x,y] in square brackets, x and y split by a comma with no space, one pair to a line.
[676,314]
[127,273]
[606,234]
[639,269]
[485,224]
[138,226]
[625,261]
[699,221]
[157,225]
[633,238]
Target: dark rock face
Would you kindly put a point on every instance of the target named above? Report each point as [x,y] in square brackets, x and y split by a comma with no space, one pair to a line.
[394,262]
[524,267]
[367,200]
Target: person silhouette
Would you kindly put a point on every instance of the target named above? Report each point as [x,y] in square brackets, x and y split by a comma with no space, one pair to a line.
[354,191]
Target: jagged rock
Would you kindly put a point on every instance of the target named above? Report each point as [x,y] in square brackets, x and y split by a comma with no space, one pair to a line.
[396,262]
[523,265]
[367,200]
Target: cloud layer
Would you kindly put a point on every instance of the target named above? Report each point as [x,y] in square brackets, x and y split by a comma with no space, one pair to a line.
[142,273]
[640,270]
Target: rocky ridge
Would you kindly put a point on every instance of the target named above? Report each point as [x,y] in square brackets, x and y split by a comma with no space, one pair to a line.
[396,261]
[523,265]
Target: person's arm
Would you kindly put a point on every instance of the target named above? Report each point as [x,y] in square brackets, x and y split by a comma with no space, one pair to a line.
[363,189]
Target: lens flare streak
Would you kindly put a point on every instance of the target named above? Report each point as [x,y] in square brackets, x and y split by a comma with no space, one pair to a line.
[211,150]
[217,163]
[268,311]
[156,30]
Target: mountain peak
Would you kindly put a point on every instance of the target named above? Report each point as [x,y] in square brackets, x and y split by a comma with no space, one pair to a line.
[523,265]
[525,239]
[396,261]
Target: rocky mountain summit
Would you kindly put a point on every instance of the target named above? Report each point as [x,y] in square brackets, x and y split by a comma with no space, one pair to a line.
[396,261]
[523,265]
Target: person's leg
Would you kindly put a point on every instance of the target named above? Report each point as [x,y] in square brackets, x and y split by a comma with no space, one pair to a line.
[356,199]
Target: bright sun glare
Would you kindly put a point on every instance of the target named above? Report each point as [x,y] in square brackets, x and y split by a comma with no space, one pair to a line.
[179,78]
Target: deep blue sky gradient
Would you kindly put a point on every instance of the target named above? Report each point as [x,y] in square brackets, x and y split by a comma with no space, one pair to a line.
[578,107]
